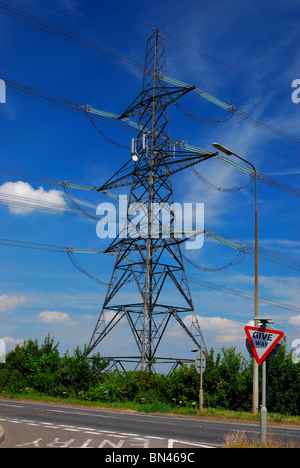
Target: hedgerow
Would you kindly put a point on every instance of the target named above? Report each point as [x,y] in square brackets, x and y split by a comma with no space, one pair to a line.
[227,380]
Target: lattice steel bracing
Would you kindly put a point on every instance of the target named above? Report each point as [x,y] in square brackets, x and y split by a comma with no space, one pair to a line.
[148,252]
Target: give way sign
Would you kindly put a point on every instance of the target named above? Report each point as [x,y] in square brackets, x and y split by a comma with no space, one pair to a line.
[262,341]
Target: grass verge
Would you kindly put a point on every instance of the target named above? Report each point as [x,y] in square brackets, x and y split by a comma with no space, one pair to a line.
[241,440]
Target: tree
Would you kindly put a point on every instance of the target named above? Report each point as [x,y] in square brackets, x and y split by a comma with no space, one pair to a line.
[283,383]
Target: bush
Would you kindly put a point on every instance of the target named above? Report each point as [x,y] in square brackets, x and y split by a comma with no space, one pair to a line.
[183,385]
[227,380]
[41,369]
[283,383]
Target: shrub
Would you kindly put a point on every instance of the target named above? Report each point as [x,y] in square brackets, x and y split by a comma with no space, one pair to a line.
[227,380]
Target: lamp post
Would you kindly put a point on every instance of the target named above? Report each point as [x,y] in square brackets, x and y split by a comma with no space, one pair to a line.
[255,365]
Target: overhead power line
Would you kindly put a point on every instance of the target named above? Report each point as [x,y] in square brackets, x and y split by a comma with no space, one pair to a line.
[198,51]
[264,178]
[243,294]
[66,104]
[212,186]
[77,265]
[109,118]
[265,254]
[241,114]
[71,250]
[78,210]
[50,207]
[62,33]
[56,248]
[21,175]
[225,118]
[239,258]
[33,245]
[67,35]
[33,204]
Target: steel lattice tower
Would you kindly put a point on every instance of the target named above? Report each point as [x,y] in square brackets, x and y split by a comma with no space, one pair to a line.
[145,256]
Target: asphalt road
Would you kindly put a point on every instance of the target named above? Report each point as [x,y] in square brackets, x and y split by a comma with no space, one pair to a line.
[38,425]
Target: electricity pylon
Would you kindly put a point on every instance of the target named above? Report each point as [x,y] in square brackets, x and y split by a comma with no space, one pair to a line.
[147,251]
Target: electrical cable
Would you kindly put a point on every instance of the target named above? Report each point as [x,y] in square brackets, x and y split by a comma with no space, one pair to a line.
[266,254]
[240,257]
[21,15]
[71,106]
[236,111]
[68,105]
[9,199]
[77,265]
[243,294]
[82,210]
[52,248]
[265,126]
[27,176]
[207,284]
[243,115]
[263,253]
[212,186]
[90,118]
[267,180]
[76,210]
[64,34]
[199,51]
[33,245]
[227,116]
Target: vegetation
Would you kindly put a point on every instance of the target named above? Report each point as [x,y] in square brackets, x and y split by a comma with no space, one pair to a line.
[242,440]
[34,369]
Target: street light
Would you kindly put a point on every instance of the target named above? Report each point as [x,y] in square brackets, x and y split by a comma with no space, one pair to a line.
[255,365]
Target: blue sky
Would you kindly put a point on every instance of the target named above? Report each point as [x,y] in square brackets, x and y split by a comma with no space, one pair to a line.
[214,46]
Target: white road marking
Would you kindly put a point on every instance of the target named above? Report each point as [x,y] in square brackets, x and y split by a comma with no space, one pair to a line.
[108,434]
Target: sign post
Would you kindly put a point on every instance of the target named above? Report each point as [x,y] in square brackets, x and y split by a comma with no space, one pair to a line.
[263,409]
[200,364]
[262,342]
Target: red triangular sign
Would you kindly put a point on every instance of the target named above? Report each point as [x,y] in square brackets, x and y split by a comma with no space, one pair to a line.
[262,341]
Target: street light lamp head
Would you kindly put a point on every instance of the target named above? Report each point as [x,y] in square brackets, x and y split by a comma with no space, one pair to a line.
[222,149]
[264,319]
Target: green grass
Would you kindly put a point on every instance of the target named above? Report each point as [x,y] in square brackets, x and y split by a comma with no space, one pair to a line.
[162,408]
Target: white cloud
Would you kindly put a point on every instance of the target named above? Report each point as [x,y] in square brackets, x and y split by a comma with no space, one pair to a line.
[285,288]
[11,342]
[109,315]
[22,198]
[10,302]
[223,329]
[55,317]
[293,171]
[295,320]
